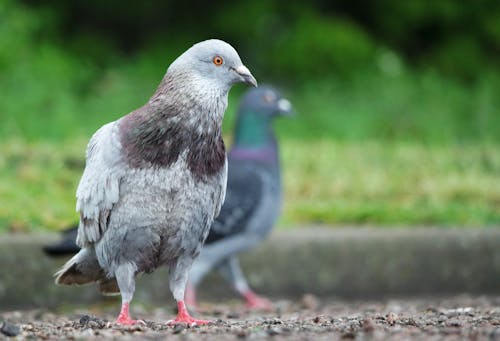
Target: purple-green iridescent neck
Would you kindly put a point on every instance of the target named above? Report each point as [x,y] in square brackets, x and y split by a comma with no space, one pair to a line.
[268,154]
[254,138]
[253,130]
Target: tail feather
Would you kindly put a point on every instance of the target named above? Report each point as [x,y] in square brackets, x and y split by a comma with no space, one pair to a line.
[109,287]
[83,268]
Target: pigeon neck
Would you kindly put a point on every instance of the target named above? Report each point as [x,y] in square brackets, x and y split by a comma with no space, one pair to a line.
[254,139]
[177,122]
[265,155]
[176,91]
[253,131]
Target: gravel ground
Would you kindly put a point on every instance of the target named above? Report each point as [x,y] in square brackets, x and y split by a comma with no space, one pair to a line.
[455,318]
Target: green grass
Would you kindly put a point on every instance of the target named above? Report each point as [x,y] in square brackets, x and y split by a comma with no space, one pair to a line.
[379,142]
[38,184]
[391,184]
[420,149]
[405,148]
[375,139]
[325,182]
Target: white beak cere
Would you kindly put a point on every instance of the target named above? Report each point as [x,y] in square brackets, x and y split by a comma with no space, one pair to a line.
[284,105]
[245,75]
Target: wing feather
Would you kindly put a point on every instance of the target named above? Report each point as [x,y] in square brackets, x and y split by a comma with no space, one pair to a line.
[243,196]
[99,187]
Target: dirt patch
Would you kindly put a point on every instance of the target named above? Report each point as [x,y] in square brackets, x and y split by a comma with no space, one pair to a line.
[457,318]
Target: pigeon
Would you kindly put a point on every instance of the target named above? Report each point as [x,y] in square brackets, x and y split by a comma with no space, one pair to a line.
[242,200]
[155,179]
[66,246]
[253,195]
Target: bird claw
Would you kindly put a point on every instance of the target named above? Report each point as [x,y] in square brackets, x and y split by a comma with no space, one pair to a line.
[129,322]
[188,321]
[255,302]
[125,319]
[183,317]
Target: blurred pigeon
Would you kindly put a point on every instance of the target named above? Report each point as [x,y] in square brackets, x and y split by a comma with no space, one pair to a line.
[66,246]
[253,195]
[155,179]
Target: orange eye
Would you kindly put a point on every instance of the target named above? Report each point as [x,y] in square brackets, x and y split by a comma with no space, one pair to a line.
[218,60]
[267,98]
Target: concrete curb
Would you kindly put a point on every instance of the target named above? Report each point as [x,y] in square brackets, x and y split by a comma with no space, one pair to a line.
[339,262]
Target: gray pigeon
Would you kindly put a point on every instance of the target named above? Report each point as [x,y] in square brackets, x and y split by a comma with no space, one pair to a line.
[155,179]
[253,195]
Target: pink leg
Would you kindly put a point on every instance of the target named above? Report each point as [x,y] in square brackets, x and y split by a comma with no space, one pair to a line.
[124,317]
[184,317]
[254,301]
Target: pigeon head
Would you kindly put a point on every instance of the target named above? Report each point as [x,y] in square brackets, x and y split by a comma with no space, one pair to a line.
[186,110]
[258,108]
[265,101]
[214,64]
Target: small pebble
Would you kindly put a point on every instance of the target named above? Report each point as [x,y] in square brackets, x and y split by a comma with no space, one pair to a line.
[179,328]
[368,325]
[453,323]
[348,335]
[495,334]
[391,318]
[9,329]
[338,320]
[242,333]
[274,331]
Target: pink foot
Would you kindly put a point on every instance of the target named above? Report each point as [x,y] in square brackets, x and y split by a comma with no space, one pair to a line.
[184,317]
[127,321]
[124,317]
[256,302]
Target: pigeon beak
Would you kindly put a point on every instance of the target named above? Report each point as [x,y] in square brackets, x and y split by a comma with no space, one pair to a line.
[245,75]
[285,107]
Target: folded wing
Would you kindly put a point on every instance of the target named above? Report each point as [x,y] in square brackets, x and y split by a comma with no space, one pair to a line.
[243,196]
[99,187]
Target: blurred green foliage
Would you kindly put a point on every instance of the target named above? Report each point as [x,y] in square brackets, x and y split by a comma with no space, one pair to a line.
[387,183]
[384,183]
[419,70]
[418,73]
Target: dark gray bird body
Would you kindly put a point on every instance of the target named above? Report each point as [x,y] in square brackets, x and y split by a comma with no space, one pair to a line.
[253,195]
[155,179]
